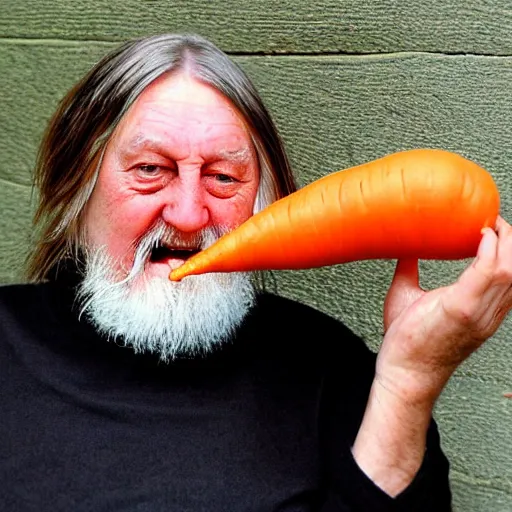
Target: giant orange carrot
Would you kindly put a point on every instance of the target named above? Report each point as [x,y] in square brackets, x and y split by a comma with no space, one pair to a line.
[423,203]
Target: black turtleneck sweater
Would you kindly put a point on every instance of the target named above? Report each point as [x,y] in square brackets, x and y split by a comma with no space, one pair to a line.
[262,424]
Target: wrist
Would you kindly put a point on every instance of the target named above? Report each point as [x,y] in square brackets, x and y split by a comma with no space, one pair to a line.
[410,387]
[391,442]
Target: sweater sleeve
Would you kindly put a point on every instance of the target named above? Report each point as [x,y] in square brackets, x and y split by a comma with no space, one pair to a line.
[348,489]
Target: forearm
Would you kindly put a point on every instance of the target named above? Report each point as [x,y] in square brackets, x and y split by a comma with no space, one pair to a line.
[391,442]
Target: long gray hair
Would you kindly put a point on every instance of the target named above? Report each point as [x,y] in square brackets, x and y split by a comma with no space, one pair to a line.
[70,155]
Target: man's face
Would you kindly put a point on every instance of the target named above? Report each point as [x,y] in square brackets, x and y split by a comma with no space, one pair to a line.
[181,155]
[179,170]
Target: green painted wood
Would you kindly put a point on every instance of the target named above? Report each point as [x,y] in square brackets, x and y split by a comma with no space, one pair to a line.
[353,26]
[333,112]
[475,496]
[475,420]
[15,232]
[32,81]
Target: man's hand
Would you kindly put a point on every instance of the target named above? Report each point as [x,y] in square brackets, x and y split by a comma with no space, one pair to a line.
[427,336]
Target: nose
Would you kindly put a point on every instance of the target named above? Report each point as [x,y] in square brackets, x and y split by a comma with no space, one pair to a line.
[186,210]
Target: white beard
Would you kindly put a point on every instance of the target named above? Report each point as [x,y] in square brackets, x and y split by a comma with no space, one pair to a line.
[157,315]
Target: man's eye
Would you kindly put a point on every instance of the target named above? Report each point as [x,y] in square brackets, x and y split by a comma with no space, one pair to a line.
[224,178]
[149,168]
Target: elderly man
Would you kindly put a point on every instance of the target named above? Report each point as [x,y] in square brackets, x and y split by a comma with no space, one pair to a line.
[121,390]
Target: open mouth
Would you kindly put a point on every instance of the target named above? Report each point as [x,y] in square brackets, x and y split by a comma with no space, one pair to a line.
[162,253]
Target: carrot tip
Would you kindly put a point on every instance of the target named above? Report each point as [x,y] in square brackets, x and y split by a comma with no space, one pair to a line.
[176,274]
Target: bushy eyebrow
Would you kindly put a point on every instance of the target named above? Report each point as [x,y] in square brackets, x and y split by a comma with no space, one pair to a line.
[142,141]
[241,155]
[139,142]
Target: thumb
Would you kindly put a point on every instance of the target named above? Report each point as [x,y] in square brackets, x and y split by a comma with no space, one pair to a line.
[406,274]
[403,291]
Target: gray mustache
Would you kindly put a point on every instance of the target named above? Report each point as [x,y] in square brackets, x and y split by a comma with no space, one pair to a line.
[163,235]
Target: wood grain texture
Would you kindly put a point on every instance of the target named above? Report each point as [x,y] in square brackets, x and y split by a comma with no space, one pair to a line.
[474,417]
[333,112]
[15,229]
[472,495]
[246,26]
[33,80]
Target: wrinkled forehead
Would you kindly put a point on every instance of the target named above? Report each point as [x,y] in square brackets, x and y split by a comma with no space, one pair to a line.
[176,106]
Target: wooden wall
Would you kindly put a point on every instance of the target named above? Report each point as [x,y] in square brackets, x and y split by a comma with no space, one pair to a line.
[347,81]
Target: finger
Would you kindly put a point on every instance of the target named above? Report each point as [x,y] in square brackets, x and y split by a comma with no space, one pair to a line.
[483,293]
[500,223]
[477,278]
[407,273]
[404,290]
[504,231]
[487,249]
[485,310]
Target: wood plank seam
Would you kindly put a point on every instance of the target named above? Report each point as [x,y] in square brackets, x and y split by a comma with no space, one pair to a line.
[258,53]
